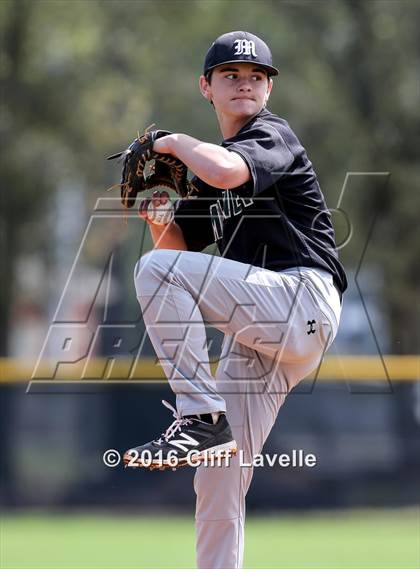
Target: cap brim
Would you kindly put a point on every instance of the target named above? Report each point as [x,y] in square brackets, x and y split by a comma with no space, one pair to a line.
[271,70]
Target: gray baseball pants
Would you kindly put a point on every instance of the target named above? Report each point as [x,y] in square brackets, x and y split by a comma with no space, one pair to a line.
[277,327]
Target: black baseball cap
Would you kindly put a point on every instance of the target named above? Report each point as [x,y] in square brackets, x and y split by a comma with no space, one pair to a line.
[235,47]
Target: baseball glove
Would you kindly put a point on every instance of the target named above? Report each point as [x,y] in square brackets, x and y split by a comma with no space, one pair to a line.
[167,170]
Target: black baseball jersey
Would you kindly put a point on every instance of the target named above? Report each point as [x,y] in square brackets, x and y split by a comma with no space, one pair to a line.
[277,220]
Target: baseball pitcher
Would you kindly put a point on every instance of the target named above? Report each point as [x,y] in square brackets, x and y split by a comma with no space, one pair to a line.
[275,290]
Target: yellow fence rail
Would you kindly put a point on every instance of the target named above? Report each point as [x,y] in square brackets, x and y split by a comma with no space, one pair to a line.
[333,368]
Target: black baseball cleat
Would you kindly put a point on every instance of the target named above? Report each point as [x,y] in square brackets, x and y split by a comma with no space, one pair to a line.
[189,441]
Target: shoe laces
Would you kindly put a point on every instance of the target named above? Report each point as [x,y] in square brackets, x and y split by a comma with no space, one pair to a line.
[175,426]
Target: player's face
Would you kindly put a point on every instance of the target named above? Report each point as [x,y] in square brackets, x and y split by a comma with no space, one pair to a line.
[239,89]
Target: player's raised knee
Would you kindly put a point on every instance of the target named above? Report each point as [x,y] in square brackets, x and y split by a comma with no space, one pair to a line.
[156,264]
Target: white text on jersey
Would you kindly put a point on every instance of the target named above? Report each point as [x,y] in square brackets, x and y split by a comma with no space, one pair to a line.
[229,205]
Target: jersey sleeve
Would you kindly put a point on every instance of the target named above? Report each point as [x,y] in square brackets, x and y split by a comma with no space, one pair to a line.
[266,154]
[192,216]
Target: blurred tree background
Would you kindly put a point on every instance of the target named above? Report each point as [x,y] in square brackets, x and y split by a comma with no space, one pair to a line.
[79,78]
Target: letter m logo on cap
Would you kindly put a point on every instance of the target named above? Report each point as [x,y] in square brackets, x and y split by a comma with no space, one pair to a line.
[245,47]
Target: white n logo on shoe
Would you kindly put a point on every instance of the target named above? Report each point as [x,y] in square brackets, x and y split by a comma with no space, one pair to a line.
[183,444]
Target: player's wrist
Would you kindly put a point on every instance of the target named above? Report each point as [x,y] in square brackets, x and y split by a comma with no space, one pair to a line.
[163,145]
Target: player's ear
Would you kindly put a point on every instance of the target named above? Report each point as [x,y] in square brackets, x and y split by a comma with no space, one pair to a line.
[269,87]
[205,88]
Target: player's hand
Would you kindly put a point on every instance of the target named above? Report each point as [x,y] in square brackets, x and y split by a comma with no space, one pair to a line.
[148,212]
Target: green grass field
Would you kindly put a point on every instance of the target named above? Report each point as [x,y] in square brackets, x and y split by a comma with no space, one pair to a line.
[346,540]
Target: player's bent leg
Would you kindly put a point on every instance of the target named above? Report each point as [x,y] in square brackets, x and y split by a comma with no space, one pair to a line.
[262,310]
[175,325]
[276,313]
[176,329]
